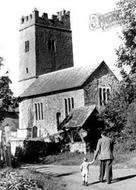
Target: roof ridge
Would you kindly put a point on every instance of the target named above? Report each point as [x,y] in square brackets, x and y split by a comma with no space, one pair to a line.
[60,81]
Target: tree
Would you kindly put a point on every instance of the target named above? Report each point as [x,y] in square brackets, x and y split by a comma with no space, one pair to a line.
[7,100]
[119,114]
[127,51]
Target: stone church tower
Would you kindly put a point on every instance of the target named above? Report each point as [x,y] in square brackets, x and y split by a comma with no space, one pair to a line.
[45,46]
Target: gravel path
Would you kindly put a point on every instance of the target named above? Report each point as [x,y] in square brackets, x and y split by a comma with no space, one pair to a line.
[123,179]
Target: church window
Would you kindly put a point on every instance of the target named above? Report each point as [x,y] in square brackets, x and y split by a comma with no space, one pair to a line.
[52,45]
[108,94]
[36,112]
[58,114]
[34,132]
[42,111]
[26,69]
[39,111]
[104,94]
[66,108]
[100,96]
[69,105]
[26,46]
[72,101]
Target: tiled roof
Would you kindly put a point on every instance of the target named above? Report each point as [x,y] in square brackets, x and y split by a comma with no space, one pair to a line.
[79,116]
[59,80]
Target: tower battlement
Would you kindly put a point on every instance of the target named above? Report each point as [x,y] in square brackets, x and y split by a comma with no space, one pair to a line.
[45,45]
[60,20]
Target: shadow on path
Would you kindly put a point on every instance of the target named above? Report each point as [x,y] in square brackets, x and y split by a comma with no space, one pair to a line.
[115,180]
[60,175]
[94,183]
[65,174]
[123,178]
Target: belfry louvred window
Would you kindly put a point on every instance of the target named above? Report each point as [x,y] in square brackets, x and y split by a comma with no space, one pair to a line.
[52,45]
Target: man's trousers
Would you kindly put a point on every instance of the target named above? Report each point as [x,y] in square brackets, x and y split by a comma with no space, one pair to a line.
[106,166]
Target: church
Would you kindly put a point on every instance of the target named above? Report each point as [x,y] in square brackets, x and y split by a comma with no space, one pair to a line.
[52,89]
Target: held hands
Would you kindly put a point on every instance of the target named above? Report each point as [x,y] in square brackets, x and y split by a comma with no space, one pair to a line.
[92,161]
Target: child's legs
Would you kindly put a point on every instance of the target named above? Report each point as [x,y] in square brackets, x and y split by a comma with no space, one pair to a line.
[83,177]
[86,177]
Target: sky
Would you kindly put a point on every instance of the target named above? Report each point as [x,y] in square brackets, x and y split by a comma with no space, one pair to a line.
[89,47]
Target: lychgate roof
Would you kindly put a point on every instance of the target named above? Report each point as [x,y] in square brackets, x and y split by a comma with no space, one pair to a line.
[79,116]
[65,79]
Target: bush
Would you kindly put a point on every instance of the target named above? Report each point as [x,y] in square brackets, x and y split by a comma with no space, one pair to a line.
[15,162]
[33,151]
[2,163]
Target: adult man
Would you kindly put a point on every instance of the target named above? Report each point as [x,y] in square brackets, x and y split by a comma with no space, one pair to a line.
[105,151]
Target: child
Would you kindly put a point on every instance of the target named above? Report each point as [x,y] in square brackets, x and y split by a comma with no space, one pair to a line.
[84,167]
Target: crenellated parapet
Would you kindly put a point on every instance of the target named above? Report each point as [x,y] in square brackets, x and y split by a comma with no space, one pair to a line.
[61,20]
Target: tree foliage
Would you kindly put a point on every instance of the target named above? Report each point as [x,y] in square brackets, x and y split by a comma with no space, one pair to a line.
[120,113]
[127,51]
[7,100]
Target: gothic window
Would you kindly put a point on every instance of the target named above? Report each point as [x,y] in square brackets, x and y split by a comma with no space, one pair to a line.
[104,93]
[26,46]
[69,105]
[100,96]
[66,108]
[108,94]
[39,111]
[34,132]
[36,112]
[104,96]
[72,101]
[42,111]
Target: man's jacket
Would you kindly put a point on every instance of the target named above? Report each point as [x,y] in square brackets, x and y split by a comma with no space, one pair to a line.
[104,149]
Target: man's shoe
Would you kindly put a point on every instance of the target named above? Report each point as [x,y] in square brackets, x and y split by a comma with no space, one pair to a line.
[86,184]
[109,182]
[101,180]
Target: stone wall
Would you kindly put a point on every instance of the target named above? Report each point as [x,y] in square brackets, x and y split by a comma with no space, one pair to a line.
[50,45]
[51,105]
[78,147]
[16,143]
[102,77]
[27,60]
[48,61]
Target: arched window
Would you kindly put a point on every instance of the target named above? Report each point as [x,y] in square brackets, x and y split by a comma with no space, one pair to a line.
[34,132]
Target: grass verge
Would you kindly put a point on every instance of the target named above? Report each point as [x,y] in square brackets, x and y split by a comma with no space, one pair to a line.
[120,159]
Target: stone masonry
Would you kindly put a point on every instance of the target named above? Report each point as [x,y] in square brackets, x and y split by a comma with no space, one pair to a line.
[49,45]
[51,105]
